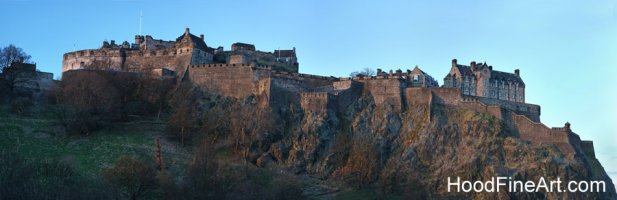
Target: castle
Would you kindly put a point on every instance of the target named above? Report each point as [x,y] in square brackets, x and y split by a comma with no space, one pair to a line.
[273,79]
[166,58]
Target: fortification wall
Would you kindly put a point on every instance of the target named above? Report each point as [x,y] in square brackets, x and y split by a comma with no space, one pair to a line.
[235,80]
[531,111]
[307,80]
[538,133]
[385,91]
[139,61]
[452,96]
[315,101]
[529,130]
[136,60]
[480,107]
[418,96]
[447,96]
[346,91]
[79,59]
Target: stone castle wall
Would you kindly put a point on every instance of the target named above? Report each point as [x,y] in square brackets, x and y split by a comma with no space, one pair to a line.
[528,129]
[135,60]
[243,80]
[235,80]
[315,101]
[538,133]
[385,91]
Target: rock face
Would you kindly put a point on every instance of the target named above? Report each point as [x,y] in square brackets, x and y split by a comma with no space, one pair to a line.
[413,151]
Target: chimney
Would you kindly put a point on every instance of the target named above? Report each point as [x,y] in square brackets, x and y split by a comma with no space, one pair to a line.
[378,71]
[201,36]
[454,62]
[187,30]
[113,42]
[517,72]
[473,64]
[490,67]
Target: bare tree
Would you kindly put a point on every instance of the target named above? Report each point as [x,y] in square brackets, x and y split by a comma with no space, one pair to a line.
[132,177]
[364,72]
[184,104]
[13,65]
[11,54]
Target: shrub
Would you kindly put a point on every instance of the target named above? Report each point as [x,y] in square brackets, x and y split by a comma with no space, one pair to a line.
[131,177]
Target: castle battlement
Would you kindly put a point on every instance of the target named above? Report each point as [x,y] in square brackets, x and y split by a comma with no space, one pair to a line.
[226,65]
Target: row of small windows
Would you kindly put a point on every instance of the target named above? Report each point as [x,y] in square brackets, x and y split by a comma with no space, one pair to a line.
[152,53]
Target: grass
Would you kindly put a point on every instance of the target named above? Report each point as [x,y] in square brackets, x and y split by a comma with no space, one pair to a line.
[35,139]
[356,195]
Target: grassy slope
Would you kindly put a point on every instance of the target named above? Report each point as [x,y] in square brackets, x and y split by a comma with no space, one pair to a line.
[39,138]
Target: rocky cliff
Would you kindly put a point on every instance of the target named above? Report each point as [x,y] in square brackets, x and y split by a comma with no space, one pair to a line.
[412,152]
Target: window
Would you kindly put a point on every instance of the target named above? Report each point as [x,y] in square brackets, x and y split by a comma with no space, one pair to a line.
[416,78]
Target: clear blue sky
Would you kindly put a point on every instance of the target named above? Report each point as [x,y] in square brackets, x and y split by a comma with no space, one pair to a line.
[567,51]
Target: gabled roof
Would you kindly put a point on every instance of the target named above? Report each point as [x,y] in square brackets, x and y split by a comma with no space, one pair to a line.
[495,75]
[197,41]
[506,76]
[418,70]
[464,70]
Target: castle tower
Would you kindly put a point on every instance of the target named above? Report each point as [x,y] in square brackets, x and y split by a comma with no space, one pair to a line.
[138,39]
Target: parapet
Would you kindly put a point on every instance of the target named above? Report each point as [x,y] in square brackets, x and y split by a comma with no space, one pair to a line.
[224,65]
[315,101]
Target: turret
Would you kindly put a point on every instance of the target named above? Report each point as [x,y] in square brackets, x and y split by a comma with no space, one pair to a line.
[567,126]
[138,39]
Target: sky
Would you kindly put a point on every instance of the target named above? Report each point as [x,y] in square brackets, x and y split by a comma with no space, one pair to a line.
[566,50]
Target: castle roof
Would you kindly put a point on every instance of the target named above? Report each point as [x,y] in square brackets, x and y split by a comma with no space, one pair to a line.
[495,75]
[417,69]
[464,70]
[506,76]
[197,41]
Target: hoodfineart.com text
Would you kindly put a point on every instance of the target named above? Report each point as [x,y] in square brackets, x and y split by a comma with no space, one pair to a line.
[497,184]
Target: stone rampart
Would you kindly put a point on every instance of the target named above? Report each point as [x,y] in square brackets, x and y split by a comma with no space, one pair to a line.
[315,101]
[135,60]
[538,133]
[235,80]
[385,91]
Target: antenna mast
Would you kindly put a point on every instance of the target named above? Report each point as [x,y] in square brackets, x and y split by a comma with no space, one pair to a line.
[140,16]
